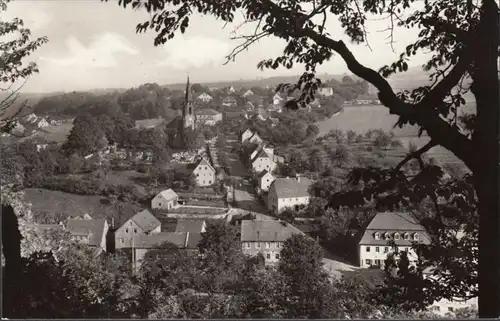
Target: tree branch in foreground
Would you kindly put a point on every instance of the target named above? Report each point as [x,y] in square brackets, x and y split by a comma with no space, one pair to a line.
[416,154]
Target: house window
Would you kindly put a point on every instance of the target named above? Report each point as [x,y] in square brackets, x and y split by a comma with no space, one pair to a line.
[277,245]
[368,262]
[268,245]
[122,240]
[377,262]
[248,245]
[396,236]
[277,256]
[435,308]
[377,236]
[450,309]
[126,230]
[268,256]
[209,182]
[159,204]
[406,236]
[135,230]
[415,236]
[203,182]
[386,249]
[258,245]
[387,236]
[367,249]
[377,249]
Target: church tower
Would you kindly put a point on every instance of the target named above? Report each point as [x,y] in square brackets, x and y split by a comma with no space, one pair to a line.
[188,116]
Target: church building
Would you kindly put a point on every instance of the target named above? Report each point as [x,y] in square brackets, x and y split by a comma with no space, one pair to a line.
[185,121]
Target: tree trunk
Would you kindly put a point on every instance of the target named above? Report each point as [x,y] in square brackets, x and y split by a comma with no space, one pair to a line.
[486,140]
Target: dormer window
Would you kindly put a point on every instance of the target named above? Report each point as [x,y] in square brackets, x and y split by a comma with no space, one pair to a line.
[377,236]
[406,236]
[396,236]
[416,236]
[387,236]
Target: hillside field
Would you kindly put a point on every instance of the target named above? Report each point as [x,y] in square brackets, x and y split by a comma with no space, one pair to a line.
[59,204]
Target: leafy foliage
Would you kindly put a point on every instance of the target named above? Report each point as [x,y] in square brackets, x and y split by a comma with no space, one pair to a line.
[15,48]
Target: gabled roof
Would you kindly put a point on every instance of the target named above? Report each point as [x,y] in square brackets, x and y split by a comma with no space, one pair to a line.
[204,95]
[290,187]
[261,154]
[93,228]
[204,162]
[148,241]
[176,122]
[208,111]
[146,220]
[169,194]
[263,173]
[267,231]
[189,225]
[178,239]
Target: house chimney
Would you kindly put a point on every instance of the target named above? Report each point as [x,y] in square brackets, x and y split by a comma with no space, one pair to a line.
[112,222]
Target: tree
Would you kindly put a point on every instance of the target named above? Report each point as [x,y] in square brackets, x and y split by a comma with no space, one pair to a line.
[85,137]
[15,47]
[306,285]
[222,256]
[464,45]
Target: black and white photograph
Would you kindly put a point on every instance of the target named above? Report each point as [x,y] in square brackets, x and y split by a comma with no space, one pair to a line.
[250,159]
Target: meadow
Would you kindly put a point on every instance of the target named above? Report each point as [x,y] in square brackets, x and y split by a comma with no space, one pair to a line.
[363,118]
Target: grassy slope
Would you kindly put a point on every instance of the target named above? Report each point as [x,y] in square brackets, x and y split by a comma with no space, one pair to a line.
[46,201]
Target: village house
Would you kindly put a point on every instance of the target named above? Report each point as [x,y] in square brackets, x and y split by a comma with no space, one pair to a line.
[254,139]
[208,116]
[157,248]
[166,200]
[141,223]
[249,106]
[263,161]
[266,237]
[231,90]
[204,97]
[230,101]
[325,91]
[265,180]
[204,173]
[248,93]
[191,226]
[288,193]
[88,231]
[400,228]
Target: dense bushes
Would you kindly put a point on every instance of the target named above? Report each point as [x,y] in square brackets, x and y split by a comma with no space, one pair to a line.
[87,186]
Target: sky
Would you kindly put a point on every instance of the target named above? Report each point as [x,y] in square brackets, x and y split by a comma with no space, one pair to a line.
[93,44]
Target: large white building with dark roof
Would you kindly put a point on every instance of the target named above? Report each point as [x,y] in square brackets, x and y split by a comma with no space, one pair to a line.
[386,228]
[288,193]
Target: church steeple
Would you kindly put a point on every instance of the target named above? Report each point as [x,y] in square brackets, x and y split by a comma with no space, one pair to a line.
[188,117]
